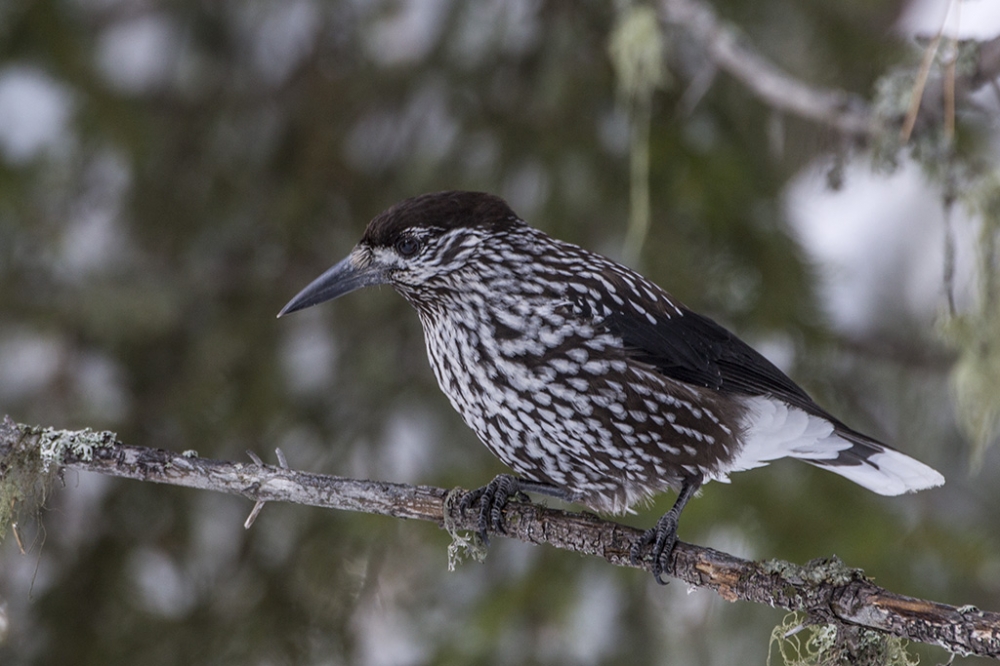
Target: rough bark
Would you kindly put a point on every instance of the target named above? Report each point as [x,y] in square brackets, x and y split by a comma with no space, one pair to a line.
[826,590]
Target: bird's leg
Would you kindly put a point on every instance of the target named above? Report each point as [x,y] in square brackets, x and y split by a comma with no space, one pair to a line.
[663,537]
[493,498]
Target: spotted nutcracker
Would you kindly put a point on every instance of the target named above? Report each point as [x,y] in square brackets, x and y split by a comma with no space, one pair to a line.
[589,381]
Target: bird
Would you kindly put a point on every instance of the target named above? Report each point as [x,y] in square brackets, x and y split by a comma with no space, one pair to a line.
[590,382]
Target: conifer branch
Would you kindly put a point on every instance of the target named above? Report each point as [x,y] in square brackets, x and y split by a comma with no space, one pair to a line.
[826,591]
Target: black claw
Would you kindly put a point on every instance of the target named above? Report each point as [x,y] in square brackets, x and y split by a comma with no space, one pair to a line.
[471,498]
[635,553]
[492,499]
[666,539]
[663,537]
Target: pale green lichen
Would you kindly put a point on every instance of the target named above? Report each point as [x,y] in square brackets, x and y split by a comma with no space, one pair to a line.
[969,176]
[461,546]
[636,47]
[825,570]
[30,461]
[931,146]
[53,445]
[975,333]
[800,644]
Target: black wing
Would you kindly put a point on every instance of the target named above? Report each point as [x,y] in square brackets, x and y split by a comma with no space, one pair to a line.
[694,349]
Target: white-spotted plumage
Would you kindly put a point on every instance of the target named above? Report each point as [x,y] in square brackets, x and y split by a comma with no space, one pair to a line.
[584,377]
[530,337]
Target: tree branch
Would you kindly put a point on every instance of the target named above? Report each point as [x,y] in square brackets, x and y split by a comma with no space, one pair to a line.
[826,590]
[835,108]
[847,113]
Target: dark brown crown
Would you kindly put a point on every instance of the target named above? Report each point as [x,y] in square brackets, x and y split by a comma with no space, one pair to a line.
[440,210]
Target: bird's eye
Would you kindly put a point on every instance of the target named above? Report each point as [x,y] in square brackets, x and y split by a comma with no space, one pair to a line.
[407,246]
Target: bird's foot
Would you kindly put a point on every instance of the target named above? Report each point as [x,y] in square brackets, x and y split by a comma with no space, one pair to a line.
[663,538]
[492,499]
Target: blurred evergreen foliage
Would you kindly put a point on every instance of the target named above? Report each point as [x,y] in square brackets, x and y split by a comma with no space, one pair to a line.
[215,156]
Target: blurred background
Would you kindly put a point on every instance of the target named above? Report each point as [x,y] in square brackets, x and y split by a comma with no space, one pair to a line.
[171,173]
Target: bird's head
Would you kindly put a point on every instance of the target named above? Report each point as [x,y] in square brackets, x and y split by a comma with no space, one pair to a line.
[413,245]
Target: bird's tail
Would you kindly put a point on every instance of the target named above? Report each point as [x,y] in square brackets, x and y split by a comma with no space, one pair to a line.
[773,429]
[878,467]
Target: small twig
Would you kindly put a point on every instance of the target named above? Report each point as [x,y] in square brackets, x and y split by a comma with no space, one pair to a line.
[17,538]
[918,89]
[949,91]
[259,504]
[950,77]
[696,90]
[948,206]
